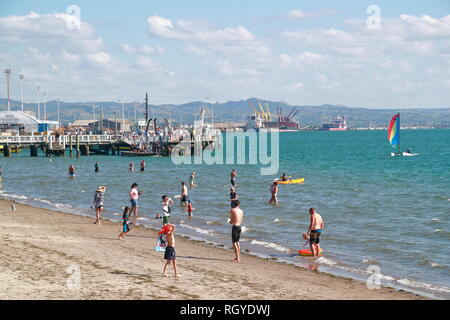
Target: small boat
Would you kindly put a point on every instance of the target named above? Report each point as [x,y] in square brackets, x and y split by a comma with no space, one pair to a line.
[291,181]
[14,149]
[394,137]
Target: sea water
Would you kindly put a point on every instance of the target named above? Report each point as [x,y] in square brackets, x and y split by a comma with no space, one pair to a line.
[389,212]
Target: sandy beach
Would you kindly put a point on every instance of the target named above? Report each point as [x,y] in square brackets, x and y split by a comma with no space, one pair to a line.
[41,251]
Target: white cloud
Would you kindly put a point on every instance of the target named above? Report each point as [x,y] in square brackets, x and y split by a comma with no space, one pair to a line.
[189,30]
[301,60]
[301,14]
[141,49]
[36,29]
[426,27]
[197,50]
[101,58]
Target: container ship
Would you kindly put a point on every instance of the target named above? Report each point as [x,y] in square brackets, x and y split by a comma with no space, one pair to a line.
[263,119]
[336,124]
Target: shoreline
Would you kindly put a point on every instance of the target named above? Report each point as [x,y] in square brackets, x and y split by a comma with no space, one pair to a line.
[43,248]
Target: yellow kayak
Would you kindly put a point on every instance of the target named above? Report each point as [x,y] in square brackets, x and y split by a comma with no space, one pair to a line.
[292,181]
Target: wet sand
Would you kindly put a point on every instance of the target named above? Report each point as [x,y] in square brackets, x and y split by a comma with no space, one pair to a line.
[42,251]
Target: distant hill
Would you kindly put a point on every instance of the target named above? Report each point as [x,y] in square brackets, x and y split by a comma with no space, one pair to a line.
[237,111]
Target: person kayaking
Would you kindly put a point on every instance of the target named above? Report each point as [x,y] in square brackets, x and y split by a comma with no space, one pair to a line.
[284,177]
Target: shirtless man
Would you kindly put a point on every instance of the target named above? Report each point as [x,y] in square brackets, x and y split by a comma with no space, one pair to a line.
[169,254]
[236,216]
[184,194]
[314,231]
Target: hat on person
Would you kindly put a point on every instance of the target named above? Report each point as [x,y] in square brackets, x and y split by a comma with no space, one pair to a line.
[100,189]
[167,228]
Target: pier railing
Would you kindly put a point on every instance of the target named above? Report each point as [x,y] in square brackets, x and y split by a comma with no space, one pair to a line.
[63,139]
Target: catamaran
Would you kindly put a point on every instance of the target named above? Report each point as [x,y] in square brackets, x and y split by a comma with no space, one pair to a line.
[394,137]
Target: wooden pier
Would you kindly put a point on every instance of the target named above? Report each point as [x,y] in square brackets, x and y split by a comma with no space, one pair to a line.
[87,144]
[53,145]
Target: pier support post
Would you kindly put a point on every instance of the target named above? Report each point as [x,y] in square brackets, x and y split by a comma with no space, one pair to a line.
[84,150]
[77,145]
[70,147]
[7,151]
[33,150]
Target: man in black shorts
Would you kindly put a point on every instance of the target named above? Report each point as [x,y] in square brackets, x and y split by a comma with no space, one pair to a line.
[236,217]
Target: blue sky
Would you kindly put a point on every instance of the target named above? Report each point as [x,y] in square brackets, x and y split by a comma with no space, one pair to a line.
[301,52]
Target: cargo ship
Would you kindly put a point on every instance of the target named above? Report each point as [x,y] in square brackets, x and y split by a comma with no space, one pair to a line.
[336,124]
[263,119]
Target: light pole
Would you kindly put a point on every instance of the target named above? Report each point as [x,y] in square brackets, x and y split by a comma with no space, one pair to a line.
[8,74]
[57,106]
[45,106]
[21,88]
[39,103]
[123,118]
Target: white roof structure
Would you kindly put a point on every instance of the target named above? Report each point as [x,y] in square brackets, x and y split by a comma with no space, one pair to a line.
[18,119]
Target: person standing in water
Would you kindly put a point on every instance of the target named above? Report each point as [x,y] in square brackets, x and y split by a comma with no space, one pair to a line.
[184,194]
[166,210]
[71,171]
[190,209]
[134,196]
[236,217]
[314,231]
[131,167]
[274,192]
[96,167]
[142,166]
[233,176]
[192,180]
[98,203]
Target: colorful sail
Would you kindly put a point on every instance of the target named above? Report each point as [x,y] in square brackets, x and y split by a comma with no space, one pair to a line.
[394,131]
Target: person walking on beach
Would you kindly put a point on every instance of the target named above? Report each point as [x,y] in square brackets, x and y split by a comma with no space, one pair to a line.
[71,171]
[98,203]
[274,192]
[131,167]
[134,196]
[125,223]
[233,176]
[236,217]
[233,197]
[142,166]
[169,254]
[314,231]
[192,180]
[184,194]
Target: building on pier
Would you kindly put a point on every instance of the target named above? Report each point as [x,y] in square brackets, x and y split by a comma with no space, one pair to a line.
[17,121]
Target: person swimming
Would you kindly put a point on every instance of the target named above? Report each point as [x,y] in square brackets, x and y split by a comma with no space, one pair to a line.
[71,171]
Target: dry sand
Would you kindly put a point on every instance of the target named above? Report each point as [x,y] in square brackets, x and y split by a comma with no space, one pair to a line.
[40,249]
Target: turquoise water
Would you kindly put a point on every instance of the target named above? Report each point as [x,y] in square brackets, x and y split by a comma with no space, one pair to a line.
[378,210]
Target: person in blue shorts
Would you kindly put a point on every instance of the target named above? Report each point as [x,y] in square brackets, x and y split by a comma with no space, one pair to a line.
[125,223]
